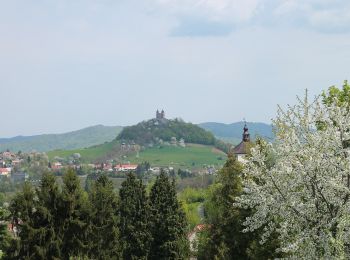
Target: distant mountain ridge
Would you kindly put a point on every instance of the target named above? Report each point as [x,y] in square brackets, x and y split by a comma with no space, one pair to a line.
[85,137]
[233,132]
[100,134]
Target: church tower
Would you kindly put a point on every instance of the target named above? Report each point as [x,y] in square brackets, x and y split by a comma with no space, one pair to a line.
[243,148]
[160,115]
[246,135]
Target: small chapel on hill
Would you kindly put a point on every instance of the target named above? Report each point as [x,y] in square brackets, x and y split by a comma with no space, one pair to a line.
[160,115]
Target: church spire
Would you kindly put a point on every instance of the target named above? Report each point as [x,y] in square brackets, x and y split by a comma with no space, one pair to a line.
[246,135]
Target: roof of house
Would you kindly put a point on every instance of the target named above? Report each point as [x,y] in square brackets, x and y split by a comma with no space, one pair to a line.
[242,148]
[245,145]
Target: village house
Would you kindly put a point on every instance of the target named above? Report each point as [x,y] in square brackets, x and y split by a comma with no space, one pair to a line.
[108,167]
[56,166]
[125,167]
[5,171]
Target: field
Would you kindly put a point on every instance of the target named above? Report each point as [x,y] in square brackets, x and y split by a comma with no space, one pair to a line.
[192,156]
[87,154]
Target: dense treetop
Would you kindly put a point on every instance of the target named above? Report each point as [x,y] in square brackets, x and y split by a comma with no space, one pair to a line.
[154,131]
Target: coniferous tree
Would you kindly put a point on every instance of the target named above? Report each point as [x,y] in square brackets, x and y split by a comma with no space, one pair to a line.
[74,214]
[47,216]
[225,239]
[168,225]
[134,219]
[22,212]
[5,239]
[104,238]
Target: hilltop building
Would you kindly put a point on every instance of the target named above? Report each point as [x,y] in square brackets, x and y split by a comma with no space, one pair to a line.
[243,148]
[160,115]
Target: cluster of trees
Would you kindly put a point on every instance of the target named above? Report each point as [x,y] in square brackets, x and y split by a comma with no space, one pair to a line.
[152,131]
[299,187]
[292,198]
[223,237]
[64,222]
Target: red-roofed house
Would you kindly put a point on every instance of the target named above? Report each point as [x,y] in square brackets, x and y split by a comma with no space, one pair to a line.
[56,166]
[125,167]
[5,171]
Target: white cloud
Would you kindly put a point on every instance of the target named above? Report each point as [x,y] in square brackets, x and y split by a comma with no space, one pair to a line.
[320,15]
[218,10]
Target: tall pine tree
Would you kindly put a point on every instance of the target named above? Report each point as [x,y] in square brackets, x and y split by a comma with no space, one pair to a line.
[5,238]
[23,217]
[134,215]
[104,238]
[47,216]
[74,215]
[225,239]
[168,225]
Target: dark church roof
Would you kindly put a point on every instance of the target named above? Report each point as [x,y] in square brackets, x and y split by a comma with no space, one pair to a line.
[242,148]
[245,145]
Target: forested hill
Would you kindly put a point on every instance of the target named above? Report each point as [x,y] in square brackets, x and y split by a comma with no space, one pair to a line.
[234,131]
[162,130]
[82,138]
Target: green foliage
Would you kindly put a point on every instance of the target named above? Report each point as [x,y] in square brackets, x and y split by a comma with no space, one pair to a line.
[75,217]
[104,240]
[51,224]
[153,130]
[134,219]
[142,169]
[24,216]
[168,224]
[190,195]
[65,222]
[192,201]
[90,180]
[6,185]
[341,96]
[225,239]
[5,238]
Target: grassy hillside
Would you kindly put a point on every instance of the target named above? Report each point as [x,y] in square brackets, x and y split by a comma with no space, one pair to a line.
[192,156]
[90,154]
[73,140]
[233,132]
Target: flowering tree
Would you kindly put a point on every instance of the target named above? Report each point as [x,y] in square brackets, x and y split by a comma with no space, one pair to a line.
[299,187]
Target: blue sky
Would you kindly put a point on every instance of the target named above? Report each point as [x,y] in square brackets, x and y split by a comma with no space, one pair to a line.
[69,64]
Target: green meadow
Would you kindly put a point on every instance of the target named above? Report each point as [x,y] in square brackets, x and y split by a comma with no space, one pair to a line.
[191,156]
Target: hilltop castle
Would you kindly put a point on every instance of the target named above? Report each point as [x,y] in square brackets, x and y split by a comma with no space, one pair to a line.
[160,115]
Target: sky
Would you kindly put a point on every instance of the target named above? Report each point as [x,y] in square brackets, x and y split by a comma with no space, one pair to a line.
[69,64]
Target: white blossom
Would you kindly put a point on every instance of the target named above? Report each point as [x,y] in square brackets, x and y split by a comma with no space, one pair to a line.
[303,193]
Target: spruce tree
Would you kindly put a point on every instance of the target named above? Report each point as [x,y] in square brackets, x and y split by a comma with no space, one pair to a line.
[47,216]
[74,216]
[168,225]
[225,239]
[104,238]
[134,215]
[22,210]
[5,238]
